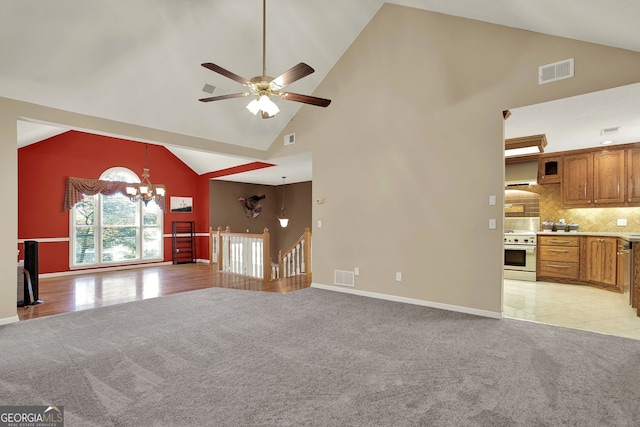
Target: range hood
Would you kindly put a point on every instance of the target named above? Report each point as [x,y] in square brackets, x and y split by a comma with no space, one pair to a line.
[523,173]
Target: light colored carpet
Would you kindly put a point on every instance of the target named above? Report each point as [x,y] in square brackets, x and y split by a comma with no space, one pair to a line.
[221,357]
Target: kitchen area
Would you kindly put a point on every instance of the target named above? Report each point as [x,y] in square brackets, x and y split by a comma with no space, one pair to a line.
[567,258]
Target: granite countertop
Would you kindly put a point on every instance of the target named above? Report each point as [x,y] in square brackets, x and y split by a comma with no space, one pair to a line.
[633,236]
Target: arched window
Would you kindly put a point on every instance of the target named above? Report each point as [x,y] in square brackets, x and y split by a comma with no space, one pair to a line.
[108,230]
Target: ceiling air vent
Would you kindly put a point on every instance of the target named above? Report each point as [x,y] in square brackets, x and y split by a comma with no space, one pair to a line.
[344,278]
[208,88]
[556,71]
[610,131]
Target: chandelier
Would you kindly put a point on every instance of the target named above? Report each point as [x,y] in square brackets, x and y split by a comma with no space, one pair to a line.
[284,221]
[145,191]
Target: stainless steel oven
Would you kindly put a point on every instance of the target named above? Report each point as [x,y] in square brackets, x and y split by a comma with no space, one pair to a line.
[520,256]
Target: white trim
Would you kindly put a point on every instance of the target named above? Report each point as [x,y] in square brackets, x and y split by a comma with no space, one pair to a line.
[101,269]
[67,239]
[9,320]
[449,307]
[47,239]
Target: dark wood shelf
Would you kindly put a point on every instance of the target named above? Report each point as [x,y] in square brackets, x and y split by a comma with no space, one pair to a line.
[183,242]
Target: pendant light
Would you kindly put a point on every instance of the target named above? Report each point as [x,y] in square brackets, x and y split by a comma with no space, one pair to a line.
[284,221]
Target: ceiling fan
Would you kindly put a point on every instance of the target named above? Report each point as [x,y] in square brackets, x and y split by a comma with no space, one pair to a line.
[264,86]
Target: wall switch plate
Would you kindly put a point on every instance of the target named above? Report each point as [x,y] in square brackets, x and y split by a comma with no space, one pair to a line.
[492,200]
[356,271]
[492,224]
[398,277]
[319,224]
[622,222]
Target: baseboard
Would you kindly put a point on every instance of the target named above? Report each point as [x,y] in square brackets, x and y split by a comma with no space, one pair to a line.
[8,320]
[457,308]
[97,270]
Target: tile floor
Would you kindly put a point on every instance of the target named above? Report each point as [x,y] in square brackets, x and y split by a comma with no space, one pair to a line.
[579,307]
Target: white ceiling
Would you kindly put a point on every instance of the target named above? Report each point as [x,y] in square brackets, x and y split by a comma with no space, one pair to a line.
[139,62]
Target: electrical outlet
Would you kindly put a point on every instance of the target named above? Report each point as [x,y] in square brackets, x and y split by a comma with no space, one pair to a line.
[622,222]
[492,224]
[398,277]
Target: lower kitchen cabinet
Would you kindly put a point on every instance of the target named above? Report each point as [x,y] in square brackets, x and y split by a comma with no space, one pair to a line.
[558,257]
[598,261]
[601,258]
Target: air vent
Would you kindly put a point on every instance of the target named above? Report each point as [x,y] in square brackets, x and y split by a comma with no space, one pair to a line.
[556,71]
[208,88]
[290,139]
[344,278]
[610,131]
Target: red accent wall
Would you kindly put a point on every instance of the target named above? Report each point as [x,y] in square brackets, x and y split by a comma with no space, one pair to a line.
[43,168]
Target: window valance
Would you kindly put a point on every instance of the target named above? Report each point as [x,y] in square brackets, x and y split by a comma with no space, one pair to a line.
[76,187]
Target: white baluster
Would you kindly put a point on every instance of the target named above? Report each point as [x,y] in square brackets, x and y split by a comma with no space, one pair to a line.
[303,268]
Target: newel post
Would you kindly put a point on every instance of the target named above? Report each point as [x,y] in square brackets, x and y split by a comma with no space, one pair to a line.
[220,251]
[266,256]
[307,249]
[210,245]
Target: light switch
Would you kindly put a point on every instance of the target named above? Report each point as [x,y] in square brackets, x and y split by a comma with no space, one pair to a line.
[319,224]
[492,224]
[492,200]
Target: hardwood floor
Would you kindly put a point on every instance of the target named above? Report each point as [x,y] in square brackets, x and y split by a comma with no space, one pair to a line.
[85,291]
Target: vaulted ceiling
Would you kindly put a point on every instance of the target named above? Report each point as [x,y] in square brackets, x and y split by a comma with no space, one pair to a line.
[139,61]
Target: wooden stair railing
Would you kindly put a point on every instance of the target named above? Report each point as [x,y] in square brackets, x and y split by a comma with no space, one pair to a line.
[297,260]
[241,253]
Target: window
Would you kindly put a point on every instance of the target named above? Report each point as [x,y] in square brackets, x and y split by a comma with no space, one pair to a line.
[107,230]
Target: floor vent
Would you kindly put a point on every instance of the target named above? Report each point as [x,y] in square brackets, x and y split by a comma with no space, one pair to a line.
[344,278]
[556,71]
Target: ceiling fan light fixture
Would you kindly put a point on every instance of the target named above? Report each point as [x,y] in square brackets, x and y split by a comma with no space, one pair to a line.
[254,107]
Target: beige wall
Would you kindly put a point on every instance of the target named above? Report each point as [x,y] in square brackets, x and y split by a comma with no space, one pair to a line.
[416,118]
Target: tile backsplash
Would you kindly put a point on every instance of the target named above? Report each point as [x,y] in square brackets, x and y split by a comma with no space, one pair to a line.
[589,219]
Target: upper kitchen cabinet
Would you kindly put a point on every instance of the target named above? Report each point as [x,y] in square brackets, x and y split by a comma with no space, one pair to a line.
[633,175]
[550,169]
[608,177]
[595,178]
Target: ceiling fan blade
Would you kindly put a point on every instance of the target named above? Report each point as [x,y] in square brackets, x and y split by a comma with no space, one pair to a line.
[320,102]
[293,74]
[221,97]
[218,69]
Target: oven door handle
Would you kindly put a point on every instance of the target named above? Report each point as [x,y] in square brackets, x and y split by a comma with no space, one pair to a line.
[528,248]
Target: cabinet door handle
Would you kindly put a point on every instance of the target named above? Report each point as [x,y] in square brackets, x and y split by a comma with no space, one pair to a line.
[560,251]
[558,266]
[559,241]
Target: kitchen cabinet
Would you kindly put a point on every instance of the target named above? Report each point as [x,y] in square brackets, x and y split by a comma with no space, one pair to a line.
[549,169]
[594,178]
[558,257]
[633,175]
[601,260]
